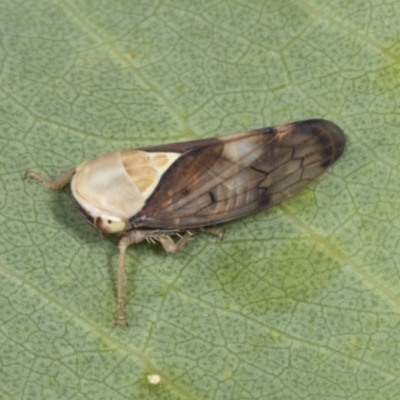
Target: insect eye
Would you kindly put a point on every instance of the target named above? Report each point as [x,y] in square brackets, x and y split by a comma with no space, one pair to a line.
[109,225]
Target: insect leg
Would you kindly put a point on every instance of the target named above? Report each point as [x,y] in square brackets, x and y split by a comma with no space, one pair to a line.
[172,247]
[124,243]
[137,236]
[219,232]
[55,185]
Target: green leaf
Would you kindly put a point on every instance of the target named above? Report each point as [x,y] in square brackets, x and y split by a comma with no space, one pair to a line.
[298,301]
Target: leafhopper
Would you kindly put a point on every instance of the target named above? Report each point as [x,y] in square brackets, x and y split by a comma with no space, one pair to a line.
[156,193]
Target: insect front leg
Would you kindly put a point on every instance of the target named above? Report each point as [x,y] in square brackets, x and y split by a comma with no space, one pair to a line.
[136,236]
[124,243]
[54,185]
[128,239]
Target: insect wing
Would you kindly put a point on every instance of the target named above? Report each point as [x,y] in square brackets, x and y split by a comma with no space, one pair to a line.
[220,179]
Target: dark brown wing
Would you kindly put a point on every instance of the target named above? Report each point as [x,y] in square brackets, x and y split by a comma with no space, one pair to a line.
[220,179]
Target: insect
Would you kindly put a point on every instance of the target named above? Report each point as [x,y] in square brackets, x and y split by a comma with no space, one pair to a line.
[154,193]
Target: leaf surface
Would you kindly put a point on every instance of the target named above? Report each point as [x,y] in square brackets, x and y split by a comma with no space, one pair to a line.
[298,301]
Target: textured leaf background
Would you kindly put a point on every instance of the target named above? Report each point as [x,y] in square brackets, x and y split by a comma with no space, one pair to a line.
[300,301]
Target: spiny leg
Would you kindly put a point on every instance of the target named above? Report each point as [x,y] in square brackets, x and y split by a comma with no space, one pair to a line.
[56,184]
[124,243]
[135,237]
[127,240]
[172,247]
[138,236]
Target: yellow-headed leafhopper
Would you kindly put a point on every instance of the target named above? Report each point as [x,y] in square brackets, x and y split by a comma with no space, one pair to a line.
[153,193]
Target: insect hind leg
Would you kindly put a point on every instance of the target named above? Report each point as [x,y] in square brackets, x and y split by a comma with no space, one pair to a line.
[213,230]
[172,247]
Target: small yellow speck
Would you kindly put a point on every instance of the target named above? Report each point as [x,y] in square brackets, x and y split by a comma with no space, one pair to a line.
[154,379]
